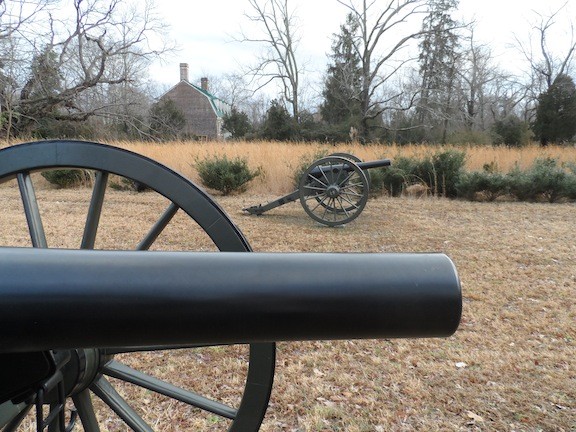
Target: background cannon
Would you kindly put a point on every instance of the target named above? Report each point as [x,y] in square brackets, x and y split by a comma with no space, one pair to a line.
[333,190]
[66,315]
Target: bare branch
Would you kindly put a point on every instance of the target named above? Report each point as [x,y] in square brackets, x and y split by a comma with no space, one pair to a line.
[384,31]
[280,63]
[94,44]
[548,64]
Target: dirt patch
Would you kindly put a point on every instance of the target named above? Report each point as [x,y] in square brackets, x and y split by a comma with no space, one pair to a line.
[510,366]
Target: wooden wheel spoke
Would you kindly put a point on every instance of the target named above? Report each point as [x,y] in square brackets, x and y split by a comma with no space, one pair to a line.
[345,181]
[31,210]
[12,425]
[351,185]
[327,207]
[348,193]
[315,188]
[352,204]
[323,171]
[83,403]
[95,210]
[158,227]
[320,202]
[127,374]
[317,179]
[351,193]
[104,390]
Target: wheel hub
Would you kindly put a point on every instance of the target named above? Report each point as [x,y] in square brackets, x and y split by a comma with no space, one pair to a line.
[82,367]
[333,191]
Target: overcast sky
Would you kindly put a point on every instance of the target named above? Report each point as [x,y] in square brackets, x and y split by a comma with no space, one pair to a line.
[205,30]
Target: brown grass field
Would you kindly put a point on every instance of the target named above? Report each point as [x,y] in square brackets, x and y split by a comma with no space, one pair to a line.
[511,366]
[280,160]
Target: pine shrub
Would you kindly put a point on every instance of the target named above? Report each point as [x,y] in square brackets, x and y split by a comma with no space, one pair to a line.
[546,180]
[376,178]
[511,131]
[570,182]
[549,179]
[442,171]
[400,174]
[520,185]
[439,172]
[482,185]
[65,178]
[226,175]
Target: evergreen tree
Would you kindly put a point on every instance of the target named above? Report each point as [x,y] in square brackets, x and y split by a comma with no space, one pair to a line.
[556,112]
[438,56]
[343,84]
[278,124]
[45,80]
[237,123]
[166,120]
[39,105]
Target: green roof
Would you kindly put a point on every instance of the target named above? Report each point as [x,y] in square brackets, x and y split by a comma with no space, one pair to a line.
[219,106]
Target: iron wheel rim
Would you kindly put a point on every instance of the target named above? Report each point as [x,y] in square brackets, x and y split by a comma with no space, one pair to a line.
[20,161]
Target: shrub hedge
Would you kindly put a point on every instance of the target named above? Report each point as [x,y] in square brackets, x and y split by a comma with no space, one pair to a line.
[65,178]
[443,174]
[440,172]
[225,175]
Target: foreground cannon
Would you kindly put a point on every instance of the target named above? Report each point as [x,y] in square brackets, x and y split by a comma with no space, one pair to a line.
[65,314]
[333,190]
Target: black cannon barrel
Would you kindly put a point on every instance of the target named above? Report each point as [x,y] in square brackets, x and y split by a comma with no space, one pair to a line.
[53,298]
[380,163]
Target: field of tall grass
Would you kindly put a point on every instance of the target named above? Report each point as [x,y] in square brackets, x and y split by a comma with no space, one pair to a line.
[279,160]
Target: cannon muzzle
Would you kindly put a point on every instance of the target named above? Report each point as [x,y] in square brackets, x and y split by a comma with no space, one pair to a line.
[58,299]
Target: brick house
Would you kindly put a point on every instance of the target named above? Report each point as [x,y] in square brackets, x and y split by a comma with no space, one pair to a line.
[203,111]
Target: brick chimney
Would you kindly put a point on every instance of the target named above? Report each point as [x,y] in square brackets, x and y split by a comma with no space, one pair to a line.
[204,83]
[183,71]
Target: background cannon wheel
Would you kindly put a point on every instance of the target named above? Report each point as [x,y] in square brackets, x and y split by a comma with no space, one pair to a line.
[333,190]
[102,368]
[356,159]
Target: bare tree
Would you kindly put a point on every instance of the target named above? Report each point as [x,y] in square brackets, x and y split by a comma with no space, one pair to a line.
[385,31]
[15,16]
[545,61]
[279,61]
[477,73]
[89,46]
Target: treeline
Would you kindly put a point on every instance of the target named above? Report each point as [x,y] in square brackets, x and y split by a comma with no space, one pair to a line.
[78,69]
[453,92]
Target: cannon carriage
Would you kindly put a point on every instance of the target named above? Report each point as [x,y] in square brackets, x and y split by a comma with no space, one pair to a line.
[67,315]
[333,190]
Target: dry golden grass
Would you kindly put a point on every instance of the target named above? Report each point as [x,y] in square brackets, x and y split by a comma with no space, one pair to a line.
[510,367]
[280,160]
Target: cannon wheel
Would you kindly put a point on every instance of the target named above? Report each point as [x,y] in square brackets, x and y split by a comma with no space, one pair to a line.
[19,162]
[333,190]
[353,158]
